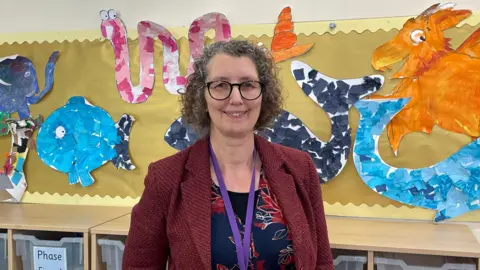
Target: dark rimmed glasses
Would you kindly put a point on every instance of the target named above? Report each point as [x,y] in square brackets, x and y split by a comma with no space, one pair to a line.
[221,90]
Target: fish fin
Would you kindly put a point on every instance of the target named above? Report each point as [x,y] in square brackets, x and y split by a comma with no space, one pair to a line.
[85,178]
[73,177]
[122,158]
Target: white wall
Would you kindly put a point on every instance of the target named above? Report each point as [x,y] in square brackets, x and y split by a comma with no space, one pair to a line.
[66,15]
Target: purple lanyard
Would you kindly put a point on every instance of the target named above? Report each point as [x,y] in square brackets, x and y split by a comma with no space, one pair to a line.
[243,251]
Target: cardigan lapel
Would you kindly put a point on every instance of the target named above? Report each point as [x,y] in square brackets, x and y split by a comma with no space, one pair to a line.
[284,190]
[196,191]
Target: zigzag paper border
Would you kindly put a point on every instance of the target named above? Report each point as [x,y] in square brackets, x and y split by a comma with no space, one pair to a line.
[336,209]
[307,28]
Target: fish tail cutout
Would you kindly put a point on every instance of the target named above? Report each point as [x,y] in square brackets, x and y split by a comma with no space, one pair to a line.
[49,74]
[335,97]
[471,46]
[122,158]
[284,40]
[323,90]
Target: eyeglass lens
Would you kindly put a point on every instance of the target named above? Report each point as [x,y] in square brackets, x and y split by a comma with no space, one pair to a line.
[248,90]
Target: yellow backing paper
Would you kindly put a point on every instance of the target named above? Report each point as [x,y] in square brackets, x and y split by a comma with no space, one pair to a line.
[86,68]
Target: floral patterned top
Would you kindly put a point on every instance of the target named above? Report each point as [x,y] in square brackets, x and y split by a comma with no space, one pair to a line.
[271,245]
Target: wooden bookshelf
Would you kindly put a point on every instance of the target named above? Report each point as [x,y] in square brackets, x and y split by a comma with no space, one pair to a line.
[54,218]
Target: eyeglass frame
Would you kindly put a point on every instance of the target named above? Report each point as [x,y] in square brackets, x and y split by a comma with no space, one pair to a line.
[262,85]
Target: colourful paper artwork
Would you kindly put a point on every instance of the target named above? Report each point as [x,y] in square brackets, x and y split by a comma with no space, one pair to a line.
[284,41]
[443,82]
[450,187]
[333,95]
[19,85]
[114,30]
[79,137]
[12,176]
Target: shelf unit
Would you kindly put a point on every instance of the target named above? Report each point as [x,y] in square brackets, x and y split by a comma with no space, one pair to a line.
[353,234]
[54,218]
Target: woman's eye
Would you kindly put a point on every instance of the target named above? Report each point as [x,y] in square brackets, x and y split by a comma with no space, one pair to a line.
[222,85]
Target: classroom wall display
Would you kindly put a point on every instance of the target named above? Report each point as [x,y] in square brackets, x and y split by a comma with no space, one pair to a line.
[79,137]
[114,30]
[86,68]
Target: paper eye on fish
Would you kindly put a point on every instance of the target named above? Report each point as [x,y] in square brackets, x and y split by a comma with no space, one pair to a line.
[60,132]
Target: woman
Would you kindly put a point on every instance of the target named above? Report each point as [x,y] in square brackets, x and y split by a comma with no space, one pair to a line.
[199,203]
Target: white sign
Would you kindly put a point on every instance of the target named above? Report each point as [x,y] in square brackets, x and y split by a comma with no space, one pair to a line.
[49,258]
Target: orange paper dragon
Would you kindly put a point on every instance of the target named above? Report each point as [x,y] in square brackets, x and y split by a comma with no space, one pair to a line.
[444,83]
[284,40]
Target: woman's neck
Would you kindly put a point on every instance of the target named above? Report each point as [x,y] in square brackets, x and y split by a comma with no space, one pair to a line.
[233,152]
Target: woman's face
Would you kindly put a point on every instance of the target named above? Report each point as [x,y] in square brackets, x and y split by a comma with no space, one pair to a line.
[234,116]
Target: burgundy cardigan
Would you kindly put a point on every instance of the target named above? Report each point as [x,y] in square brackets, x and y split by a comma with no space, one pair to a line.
[172,219]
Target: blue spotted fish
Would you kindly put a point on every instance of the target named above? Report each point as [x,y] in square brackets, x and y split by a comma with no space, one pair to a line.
[79,137]
[450,187]
[334,96]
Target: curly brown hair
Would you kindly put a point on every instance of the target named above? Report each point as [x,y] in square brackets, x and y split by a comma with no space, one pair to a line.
[194,107]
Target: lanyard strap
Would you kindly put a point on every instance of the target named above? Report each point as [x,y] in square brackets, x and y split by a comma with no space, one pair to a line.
[243,251]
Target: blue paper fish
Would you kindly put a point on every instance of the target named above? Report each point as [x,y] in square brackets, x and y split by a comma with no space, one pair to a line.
[79,138]
[451,187]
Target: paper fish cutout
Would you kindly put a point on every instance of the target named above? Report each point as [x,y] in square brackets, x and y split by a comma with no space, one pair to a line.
[451,187]
[114,30]
[19,85]
[12,176]
[333,95]
[443,83]
[3,123]
[284,41]
[79,137]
